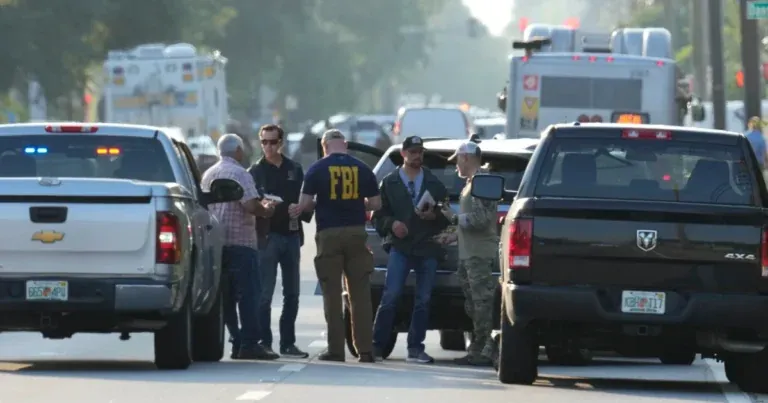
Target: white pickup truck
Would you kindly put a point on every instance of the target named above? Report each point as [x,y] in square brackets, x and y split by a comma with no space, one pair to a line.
[106,229]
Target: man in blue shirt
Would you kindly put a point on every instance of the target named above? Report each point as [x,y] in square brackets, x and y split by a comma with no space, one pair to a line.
[756,139]
[344,189]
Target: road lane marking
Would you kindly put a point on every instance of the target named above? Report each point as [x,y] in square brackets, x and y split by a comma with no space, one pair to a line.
[319,344]
[291,368]
[732,393]
[253,395]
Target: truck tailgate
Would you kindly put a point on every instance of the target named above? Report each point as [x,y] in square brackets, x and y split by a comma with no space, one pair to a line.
[99,227]
[647,245]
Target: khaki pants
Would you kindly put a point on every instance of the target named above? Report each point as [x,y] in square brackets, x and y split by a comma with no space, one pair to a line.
[342,252]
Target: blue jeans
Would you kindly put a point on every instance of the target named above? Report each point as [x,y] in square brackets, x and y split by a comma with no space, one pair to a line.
[285,251]
[398,267]
[241,264]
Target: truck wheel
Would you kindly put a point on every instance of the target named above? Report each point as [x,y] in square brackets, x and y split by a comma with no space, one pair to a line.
[518,352]
[678,357]
[452,340]
[750,371]
[350,342]
[568,356]
[173,343]
[208,334]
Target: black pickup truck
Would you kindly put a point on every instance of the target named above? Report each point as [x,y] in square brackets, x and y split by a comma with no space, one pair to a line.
[642,240]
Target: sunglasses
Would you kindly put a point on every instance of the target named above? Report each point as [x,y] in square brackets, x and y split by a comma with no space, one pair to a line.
[272,142]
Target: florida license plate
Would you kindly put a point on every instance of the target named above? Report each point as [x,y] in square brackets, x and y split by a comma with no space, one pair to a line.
[647,302]
[47,290]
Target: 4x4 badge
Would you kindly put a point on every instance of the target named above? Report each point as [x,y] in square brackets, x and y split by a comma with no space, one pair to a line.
[646,239]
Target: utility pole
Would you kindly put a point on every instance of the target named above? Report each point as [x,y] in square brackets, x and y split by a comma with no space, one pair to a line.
[715,12]
[750,60]
[699,41]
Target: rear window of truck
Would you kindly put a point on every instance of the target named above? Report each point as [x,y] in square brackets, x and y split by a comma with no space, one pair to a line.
[510,166]
[84,156]
[650,170]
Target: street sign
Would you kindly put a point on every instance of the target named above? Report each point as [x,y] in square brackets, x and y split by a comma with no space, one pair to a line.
[757,10]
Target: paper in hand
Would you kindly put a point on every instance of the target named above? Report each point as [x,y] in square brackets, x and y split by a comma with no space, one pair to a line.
[426,200]
[273,198]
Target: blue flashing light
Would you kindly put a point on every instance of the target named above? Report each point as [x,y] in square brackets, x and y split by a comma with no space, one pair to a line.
[36,150]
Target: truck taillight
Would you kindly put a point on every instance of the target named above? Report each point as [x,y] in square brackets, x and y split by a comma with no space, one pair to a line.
[168,242]
[368,215]
[520,240]
[646,134]
[764,253]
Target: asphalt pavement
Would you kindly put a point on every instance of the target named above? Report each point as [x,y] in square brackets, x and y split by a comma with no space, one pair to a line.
[103,369]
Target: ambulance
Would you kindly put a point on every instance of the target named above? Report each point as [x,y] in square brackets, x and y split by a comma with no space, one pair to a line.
[167,85]
[565,76]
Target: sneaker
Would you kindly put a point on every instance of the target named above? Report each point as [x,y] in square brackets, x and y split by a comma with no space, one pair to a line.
[420,358]
[377,355]
[328,356]
[293,352]
[254,352]
[269,354]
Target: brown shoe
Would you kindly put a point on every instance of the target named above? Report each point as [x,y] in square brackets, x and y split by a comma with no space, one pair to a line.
[365,357]
[328,356]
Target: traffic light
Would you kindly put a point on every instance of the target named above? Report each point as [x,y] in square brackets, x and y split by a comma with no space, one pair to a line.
[473,27]
[740,78]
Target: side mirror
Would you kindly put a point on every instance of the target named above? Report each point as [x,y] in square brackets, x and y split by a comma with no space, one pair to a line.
[490,187]
[223,191]
[697,110]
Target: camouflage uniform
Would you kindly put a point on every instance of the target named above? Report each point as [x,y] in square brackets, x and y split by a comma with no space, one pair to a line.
[478,255]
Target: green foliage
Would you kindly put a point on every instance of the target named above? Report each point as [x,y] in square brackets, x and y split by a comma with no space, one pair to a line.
[325,52]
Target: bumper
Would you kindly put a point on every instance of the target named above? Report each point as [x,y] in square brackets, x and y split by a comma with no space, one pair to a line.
[525,303]
[115,295]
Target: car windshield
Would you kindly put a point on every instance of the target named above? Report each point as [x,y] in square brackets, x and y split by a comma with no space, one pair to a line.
[632,169]
[84,156]
[201,146]
[510,166]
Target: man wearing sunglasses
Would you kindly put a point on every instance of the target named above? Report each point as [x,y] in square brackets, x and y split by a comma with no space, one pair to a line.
[280,239]
[408,230]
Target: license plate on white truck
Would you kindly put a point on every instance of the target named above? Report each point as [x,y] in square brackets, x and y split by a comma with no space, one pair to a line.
[647,302]
[47,290]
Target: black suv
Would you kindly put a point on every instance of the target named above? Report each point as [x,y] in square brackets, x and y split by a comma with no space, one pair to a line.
[642,240]
[507,158]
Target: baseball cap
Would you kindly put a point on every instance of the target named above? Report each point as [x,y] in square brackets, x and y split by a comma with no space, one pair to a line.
[413,141]
[333,134]
[466,148]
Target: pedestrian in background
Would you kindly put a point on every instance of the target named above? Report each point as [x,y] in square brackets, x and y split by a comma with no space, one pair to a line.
[478,241]
[344,189]
[240,255]
[408,234]
[280,240]
[757,140]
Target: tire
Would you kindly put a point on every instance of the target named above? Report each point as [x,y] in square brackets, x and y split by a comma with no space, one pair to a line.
[208,334]
[453,340]
[350,342]
[678,357]
[568,356]
[173,343]
[518,353]
[749,371]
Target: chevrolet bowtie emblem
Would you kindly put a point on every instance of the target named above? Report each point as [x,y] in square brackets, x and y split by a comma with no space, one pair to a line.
[47,236]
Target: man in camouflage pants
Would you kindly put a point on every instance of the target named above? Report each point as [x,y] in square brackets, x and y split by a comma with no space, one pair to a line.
[478,243]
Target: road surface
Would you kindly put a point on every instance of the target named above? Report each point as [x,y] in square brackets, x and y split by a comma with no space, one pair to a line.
[102,369]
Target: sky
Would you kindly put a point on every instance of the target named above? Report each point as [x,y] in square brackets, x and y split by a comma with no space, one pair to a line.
[495,14]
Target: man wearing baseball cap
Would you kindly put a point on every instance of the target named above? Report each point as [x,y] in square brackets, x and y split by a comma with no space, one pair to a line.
[408,231]
[478,240]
